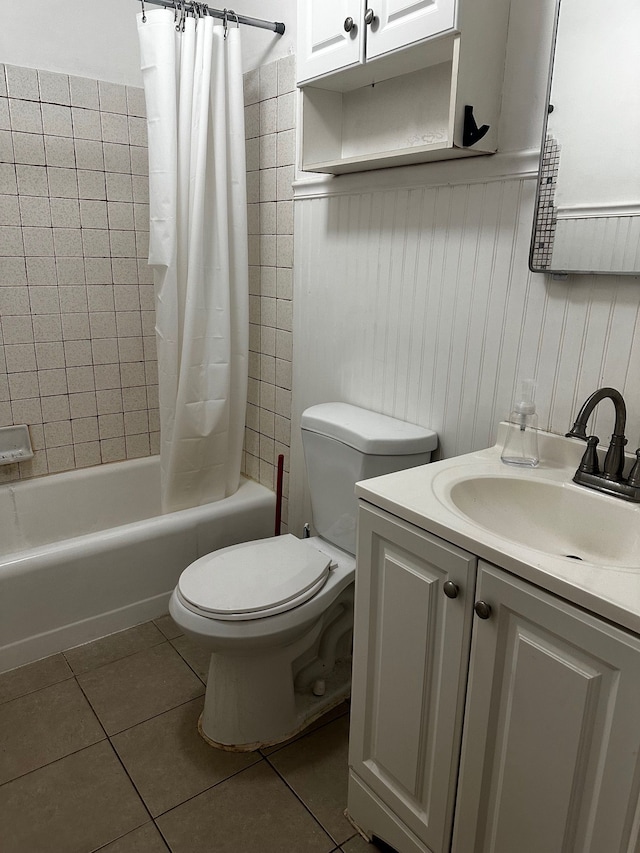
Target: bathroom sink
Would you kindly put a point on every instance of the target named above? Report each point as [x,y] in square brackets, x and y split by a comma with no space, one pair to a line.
[559,519]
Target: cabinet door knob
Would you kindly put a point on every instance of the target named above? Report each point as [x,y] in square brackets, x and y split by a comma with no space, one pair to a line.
[483,610]
[369,15]
[349,24]
[450,589]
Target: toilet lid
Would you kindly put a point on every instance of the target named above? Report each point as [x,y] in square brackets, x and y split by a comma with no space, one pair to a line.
[254,577]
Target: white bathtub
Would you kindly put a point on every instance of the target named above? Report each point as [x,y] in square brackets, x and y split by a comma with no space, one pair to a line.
[88,552]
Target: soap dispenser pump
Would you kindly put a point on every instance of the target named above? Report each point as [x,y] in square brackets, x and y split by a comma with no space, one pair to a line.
[521,443]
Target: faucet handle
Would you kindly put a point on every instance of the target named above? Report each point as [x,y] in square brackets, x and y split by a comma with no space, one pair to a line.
[589,463]
[634,474]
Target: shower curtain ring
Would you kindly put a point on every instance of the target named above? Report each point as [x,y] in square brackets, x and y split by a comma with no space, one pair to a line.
[144,17]
[227,14]
[183,16]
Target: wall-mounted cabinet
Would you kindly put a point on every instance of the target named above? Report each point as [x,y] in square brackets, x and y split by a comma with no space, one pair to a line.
[393,83]
[333,34]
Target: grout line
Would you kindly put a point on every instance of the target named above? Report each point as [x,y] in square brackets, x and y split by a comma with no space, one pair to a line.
[37,689]
[154,716]
[131,831]
[303,734]
[55,761]
[300,800]
[162,836]
[211,787]
[186,661]
[129,777]
[123,657]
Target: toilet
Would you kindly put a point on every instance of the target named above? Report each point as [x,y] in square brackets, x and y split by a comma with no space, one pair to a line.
[277,614]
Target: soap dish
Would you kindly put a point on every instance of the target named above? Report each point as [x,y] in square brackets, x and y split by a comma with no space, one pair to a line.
[15,444]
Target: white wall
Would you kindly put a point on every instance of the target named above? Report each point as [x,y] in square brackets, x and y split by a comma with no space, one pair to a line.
[413,295]
[89,38]
[260,47]
[98,38]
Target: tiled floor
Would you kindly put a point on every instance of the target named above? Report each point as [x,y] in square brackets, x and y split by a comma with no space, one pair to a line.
[99,751]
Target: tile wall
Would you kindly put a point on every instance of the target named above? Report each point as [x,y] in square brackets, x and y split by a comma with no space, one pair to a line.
[77,341]
[270,99]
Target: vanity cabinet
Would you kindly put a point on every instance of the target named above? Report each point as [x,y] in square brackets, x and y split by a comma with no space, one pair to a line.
[542,755]
[398,81]
[550,753]
[411,651]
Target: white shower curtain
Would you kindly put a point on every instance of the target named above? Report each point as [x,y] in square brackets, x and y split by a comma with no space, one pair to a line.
[198,250]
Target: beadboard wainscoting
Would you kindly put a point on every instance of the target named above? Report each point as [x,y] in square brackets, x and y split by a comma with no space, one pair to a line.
[418,302]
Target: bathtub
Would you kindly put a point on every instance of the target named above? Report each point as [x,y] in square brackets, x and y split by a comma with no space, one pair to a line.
[88,552]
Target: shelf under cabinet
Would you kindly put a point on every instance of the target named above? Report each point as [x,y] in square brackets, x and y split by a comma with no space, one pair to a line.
[407,118]
[387,159]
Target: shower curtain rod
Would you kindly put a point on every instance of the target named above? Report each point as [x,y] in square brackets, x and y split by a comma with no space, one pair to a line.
[274,26]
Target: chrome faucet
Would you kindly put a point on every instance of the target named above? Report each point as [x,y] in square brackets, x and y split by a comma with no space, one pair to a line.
[610,480]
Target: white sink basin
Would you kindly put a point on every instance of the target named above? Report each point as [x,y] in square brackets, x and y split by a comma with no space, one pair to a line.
[536,523]
[559,519]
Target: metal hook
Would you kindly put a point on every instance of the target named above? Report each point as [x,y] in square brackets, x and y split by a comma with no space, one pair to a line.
[197,10]
[227,13]
[183,16]
[144,17]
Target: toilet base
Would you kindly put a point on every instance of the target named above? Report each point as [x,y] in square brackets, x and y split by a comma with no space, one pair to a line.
[270,693]
[307,715]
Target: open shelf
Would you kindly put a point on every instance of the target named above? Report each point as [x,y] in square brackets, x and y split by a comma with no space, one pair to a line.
[409,118]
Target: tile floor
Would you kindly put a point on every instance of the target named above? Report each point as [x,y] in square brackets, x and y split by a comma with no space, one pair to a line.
[99,751]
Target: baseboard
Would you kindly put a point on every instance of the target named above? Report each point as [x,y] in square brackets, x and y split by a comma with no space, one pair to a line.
[48,643]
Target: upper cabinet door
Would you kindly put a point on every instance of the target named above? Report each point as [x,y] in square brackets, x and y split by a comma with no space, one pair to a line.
[398,23]
[330,36]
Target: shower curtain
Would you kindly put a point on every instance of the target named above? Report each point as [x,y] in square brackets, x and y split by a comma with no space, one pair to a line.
[198,251]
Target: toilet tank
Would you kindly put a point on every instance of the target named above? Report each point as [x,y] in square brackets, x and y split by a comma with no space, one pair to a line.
[344,444]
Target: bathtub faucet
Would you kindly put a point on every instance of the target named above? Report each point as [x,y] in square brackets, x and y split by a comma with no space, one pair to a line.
[610,479]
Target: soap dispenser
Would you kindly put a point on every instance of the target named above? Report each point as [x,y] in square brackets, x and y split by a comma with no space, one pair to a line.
[521,443]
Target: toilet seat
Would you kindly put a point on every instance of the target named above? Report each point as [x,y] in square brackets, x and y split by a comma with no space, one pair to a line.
[254,579]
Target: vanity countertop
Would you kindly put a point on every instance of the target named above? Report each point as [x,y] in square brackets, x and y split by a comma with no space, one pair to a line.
[422,496]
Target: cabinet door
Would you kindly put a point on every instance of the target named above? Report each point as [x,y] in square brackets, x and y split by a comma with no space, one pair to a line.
[411,646]
[399,23]
[324,46]
[551,736]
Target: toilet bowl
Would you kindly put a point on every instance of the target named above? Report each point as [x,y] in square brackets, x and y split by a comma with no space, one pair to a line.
[277,614]
[260,683]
